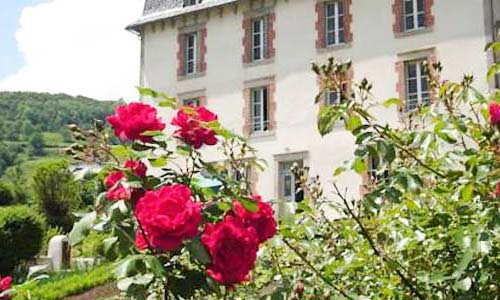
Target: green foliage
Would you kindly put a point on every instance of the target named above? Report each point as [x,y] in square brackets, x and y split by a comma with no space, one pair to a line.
[56,193]
[8,155]
[21,236]
[7,196]
[36,143]
[91,246]
[63,285]
[24,113]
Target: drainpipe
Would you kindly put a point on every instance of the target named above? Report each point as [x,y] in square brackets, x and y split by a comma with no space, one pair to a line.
[494,37]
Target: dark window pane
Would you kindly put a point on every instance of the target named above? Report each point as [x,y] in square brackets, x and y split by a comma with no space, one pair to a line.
[409,22]
[341,22]
[420,5]
[330,9]
[330,24]
[409,7]
[341,36]
[412,86]
[341,7]
[412,70]
[330,38]
[424,84]
[421,20]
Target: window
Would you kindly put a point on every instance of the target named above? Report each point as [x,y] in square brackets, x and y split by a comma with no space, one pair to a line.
[191,102]
[417,87]
[258,39]
[191,52]
[191,2]
[334,22]
[414,14]
[289,187]
[260,109]
[334,97]
[375,173]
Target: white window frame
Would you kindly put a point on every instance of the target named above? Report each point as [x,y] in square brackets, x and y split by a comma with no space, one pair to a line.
[332,97]
[284,172]
[415,14]
[261,37]
[259,104]
[187,51]
[338,30]
[422,97]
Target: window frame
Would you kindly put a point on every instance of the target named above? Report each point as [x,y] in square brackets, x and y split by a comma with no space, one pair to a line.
[190,101]
[259,122]
[423,97]
[415,13]
[195,55]
[262,39]
[187,3]
[284,171]
[338,30]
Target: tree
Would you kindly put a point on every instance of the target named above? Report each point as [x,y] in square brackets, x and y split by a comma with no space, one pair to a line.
[56,193]
[37,144]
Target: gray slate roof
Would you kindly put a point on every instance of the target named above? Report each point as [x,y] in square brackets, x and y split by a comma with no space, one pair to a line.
[155,10]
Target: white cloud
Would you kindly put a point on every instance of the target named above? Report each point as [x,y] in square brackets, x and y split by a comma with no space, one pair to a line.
[79,47]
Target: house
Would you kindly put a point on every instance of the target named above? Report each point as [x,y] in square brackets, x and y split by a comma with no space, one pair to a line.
[250,62]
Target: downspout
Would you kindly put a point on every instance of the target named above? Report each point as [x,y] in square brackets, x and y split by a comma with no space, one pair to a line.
[494,37]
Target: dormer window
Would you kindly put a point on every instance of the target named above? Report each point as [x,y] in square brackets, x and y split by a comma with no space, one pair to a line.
[191,2]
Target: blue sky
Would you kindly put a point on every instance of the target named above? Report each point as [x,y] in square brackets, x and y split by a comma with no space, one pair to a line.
[77,47]
[10,11]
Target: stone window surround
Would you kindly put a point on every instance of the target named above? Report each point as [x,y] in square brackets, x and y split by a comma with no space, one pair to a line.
[398,25]
[320,26]
[270,83]
[428,54]
[270,51]
[287,157]
[200,94]
[201,29]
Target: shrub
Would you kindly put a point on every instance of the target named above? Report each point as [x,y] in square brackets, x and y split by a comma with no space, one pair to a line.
[21,236]
[57,193]
[6,194]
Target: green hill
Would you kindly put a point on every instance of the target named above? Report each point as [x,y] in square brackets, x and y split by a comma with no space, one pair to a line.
[34,125]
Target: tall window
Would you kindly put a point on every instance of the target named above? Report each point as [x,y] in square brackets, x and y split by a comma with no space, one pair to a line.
[334,97]
[417,87]
[258,39]
[414,14]
[375,171]
[191,2]
[191,102]
[260,109]
[289,187]
[334,19]
[191,52]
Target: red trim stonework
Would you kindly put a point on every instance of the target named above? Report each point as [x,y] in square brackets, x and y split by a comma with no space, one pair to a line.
[202,50]
[321,25]
[397,12]
[247,109]
[247,37]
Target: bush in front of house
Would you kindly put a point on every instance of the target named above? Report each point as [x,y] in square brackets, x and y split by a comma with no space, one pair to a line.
[21,235]
[56,193]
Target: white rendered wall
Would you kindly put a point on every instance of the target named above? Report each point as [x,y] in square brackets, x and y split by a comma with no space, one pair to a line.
[458,37]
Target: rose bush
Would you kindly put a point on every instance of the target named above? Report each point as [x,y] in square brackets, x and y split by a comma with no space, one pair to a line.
[179,239]
[5,285]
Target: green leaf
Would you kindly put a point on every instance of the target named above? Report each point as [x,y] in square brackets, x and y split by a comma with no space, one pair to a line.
[463,285]
[121,152]
[199,252]
[249,204]
[158,162]
[82,228]
[353,122]
[326,119]
[152,133]
[359,165]
[467,192]
[392,101]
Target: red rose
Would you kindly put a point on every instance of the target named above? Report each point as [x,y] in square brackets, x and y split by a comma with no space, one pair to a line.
[137,167]
[140,241]
[116,190]
[4,286]
[497,190]
[132,120]
[169,216]
[494,113]
[262,220]
[191,130]
[233,249]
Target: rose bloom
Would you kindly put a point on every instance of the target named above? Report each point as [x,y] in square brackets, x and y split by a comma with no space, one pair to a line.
[169,216]
[233,249]
[494,113]
[116,190]
[4,286]
[140,240]
[497,190]
[132,120]
[191,131]
[262,220]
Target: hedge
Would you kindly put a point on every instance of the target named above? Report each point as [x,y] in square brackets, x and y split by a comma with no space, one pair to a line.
[21,236]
